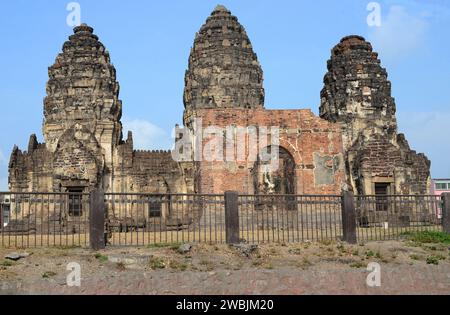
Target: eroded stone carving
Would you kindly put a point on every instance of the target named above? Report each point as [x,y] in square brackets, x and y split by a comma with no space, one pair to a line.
[357,95]
[224,71]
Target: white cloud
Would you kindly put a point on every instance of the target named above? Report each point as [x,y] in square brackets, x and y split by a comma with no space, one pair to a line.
[147,136]
[400,33]
[426,132]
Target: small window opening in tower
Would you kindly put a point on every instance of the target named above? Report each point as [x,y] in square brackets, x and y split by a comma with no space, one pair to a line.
[155,208]
[75,201]
[381,196]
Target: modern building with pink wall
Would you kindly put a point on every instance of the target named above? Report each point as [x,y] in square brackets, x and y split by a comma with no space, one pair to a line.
[440,186]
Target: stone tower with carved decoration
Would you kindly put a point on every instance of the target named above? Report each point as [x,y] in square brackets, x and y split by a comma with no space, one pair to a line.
[357,95]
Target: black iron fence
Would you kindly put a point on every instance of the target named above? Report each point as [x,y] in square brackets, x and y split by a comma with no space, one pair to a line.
[114,219]
[44,219]
[390,217]
[146,219]
[289,218]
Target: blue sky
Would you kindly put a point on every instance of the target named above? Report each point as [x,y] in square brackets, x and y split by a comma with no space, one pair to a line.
[150,41]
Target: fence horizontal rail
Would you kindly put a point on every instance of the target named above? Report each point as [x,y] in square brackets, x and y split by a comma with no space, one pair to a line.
[141,219]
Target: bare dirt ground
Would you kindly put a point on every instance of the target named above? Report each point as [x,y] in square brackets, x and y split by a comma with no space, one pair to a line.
[310,268]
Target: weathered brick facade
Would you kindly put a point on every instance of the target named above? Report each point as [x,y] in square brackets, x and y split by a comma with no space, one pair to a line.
[354,143]
[313,144]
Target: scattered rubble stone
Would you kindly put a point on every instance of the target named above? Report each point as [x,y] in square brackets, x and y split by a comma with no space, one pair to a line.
[16,256]
[185,248]
[245,249]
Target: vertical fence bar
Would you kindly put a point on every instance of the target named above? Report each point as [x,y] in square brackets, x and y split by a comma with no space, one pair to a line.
[97,220]
[446,213]
[348,218]
[231,217]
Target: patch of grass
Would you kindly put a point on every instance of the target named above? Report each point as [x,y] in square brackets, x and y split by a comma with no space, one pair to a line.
[428,237]
[207,264]
[48,274]
[415,257]
[434,259]
[326,242]
[257,263]
[355,252]
[358,265]
[157,263]
[305,263]
[413,244]
[330,250]
[295,251]
[68,247]
[6,263]
[121,266]
[269,266]
[178,266]
[101,258]
[370,254]
[173,246]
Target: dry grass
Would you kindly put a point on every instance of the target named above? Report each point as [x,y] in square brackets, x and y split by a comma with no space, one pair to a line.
[142,238]
[31,241]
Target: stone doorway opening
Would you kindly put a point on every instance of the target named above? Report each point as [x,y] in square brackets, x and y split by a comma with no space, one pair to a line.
[278,182]
[382,190]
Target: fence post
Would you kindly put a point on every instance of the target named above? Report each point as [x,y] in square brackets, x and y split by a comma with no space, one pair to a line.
[446,213]
[231,217]
[348,218]
[97,219]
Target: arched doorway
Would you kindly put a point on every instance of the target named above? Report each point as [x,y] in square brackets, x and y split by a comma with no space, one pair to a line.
[275,181]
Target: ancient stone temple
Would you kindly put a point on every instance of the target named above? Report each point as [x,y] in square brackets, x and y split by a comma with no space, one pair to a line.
[354,142]
[224,90]
[83,146]
[224,71]
[357,95]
